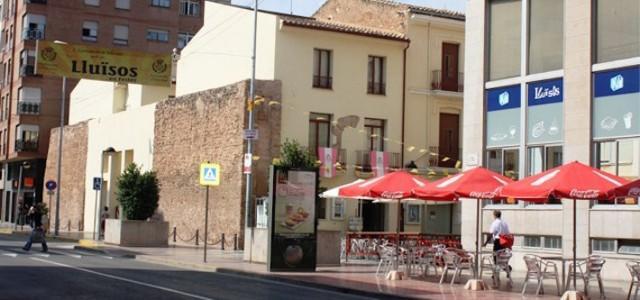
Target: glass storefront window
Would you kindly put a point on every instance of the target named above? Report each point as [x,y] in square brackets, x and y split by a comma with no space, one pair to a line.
[620,157]
[617,29]
[542,158]
[506,162]
[505,21]
[545,35]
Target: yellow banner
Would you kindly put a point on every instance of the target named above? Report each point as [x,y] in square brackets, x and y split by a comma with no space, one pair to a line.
[80,61]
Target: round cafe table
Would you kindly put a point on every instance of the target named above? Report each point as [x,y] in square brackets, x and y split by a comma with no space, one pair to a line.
[563,261]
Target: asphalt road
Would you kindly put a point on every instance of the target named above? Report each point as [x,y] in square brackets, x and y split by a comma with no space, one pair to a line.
[64,273]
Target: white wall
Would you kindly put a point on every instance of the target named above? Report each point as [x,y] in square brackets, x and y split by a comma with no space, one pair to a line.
[220,53]
[127,130]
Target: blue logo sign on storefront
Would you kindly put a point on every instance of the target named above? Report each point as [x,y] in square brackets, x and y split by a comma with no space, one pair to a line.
[503,98]
[545,92]
[617,82]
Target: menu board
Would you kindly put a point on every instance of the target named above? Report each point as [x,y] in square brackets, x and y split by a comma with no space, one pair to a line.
[293,226]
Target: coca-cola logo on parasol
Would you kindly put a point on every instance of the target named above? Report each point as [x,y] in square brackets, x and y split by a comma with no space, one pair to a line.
[392,195]
[585,194]
[485,195]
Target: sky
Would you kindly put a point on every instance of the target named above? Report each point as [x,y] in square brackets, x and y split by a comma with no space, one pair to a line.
[308,7]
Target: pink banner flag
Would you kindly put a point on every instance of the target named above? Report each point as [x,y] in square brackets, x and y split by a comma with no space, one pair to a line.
[379,162]
[328,158]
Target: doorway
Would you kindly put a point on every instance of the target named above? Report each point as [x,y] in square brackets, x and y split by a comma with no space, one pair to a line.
[439,219]
[373,216]
[450,67]
[449,140]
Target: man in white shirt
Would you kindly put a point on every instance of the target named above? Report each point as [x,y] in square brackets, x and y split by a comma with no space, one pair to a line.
[498,227]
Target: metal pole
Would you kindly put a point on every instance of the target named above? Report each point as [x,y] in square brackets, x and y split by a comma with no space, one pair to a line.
[477,238]
[575,275]
[59,171]
[395,262]
[252,95]
[17,208]
[96,223]
[206,223]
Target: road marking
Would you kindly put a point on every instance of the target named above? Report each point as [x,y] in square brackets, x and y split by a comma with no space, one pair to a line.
[14,255]
[68,254]
[93,254]
[166,289]
[42,254]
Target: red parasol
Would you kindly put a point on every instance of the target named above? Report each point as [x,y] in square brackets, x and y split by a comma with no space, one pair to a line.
[631,189]
[477,183]
[396,185]
[573,180]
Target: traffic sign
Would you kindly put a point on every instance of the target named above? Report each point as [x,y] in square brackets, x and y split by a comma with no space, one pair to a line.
[246,164]
[250,134]
[97,183]
[209,174]
[51,185]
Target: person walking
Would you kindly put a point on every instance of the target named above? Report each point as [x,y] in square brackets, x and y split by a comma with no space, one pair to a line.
[37,234]
[103,220]
[498,231]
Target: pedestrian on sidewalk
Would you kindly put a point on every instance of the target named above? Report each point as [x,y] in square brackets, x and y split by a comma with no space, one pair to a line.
[103,220]
[37,234]
[499,234]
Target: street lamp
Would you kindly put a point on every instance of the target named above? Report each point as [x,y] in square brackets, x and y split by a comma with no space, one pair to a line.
[61,130]
[96,231]
[23,165]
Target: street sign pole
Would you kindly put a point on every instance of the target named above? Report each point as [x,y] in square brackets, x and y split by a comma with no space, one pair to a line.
[59,167]
[206,223]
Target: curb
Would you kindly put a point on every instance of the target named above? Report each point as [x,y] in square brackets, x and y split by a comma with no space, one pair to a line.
[97,250]
[48,236]
[279,278]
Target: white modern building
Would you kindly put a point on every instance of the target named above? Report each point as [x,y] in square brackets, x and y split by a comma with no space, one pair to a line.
[549,82]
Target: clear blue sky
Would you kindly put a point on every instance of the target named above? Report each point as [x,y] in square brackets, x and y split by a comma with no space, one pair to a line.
[308,7]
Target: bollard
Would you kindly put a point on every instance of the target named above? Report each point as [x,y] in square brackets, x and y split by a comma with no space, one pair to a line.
[197,236]
[222,241]
[235,242]
[174,234]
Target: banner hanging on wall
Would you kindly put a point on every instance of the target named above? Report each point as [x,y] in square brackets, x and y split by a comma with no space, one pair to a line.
[107,64]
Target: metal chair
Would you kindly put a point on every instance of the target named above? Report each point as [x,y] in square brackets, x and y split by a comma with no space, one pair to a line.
[495,266]
[634,270]
[456,261]
[588,270]
[387,257]
[540,270]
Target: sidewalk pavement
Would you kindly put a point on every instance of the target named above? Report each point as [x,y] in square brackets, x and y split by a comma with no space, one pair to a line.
[355,278]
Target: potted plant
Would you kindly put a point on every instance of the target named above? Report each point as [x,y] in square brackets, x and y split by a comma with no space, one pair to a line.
[138,193]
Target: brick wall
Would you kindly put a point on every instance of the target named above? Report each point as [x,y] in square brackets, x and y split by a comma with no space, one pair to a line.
[74,161]
[381,14]
[208,126]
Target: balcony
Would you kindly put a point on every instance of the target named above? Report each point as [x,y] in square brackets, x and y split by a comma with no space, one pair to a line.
[341,160]
[438,83]
[28,108]
[26,146]
[376,88]
[363,161]
[35,1]
[322,82]
[27,70]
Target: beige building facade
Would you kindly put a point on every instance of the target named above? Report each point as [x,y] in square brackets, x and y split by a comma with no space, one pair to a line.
[550,82]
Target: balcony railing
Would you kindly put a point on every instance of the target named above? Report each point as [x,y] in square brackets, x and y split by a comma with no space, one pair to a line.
[27,70]
[363,161]
[323,82]
[22,146]
[377,88]
[443,84]
[35,1]
[341,159]
[33,34]
[28,108]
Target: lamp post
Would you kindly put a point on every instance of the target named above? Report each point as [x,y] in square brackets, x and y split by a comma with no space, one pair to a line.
[23,165]
[60,136]
[96,231]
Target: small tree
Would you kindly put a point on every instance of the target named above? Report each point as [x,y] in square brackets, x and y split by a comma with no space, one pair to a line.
[293,155]
[138,193]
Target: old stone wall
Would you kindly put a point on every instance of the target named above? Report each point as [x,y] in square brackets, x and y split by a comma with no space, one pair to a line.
[208,126]
[382,14]
[71,187]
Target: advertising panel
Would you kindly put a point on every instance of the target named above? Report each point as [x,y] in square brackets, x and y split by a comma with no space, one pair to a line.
[503,116]
[544,112]
[616,104]
[82,61]
[293,225]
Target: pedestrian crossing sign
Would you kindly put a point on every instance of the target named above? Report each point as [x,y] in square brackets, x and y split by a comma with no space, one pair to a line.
[209,174]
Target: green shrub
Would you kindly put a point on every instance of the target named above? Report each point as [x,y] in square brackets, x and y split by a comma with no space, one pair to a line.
[138,193]
[293,155]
